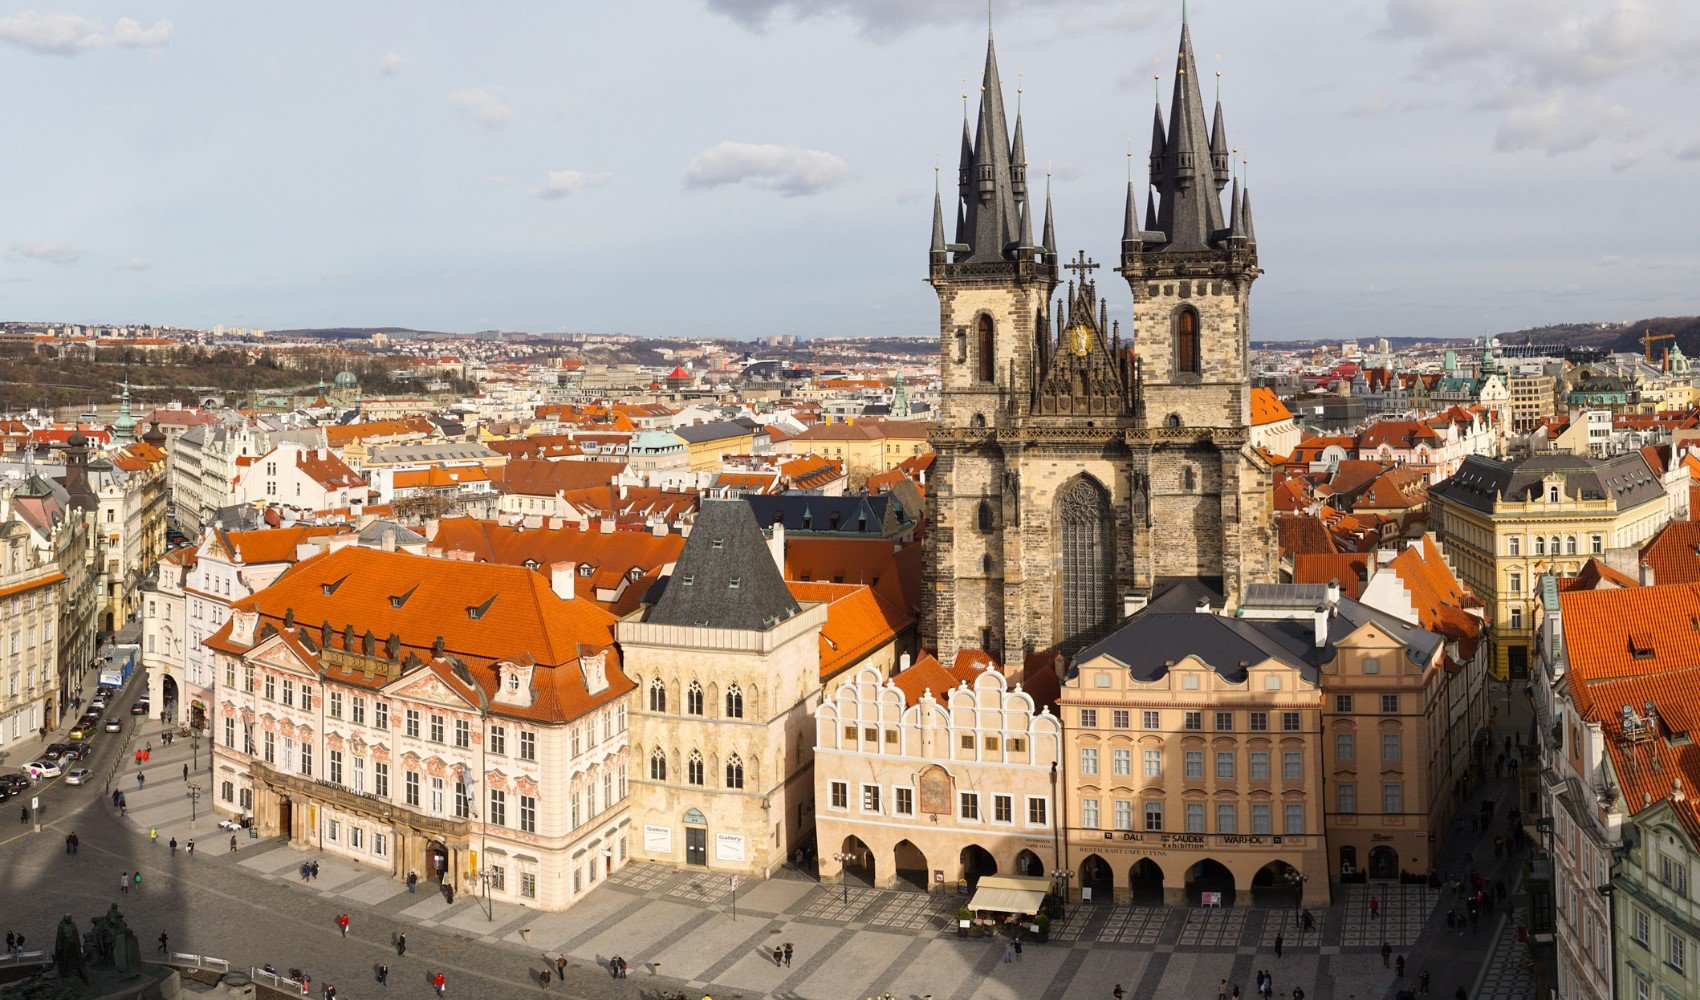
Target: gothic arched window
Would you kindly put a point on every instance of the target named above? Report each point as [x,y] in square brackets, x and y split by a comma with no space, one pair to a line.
[657,696]
[986,563]
[1087,550]
[1189,479]
[1187,360]
[735,772]
[693,699]
[983,516]
[985,344]
[693,768]
[734,702]
[658,765]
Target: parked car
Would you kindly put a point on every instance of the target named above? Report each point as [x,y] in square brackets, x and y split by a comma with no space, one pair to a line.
[114,725]
[98,705]
[14,782]
[81,749]
[105,691]
[78,776]
[83,730]
[39,769]
[56,752]
[140,707]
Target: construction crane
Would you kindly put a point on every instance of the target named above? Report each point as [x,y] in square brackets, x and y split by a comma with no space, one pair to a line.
[1648,339]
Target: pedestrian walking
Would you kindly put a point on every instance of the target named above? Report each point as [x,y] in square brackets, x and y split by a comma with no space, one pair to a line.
[1278,945]
[315,869]
[779,957]
[153,835]
[1374,908]
[1386,955]
[383,975]
[401,945]
[1008,954]
[787,954]
[613,968]
[19,952]
[439,983]
[191,846]
[342,922]
[1017,946]
[136,880]
[1118,993]
[412,881]
[1298,994]
[11,943]
[233,843]
[561,966]
[1222,990]
[330,992]
[24,816]
[141,781]
[185,772]
[174,847]
[544,977]
[164,943]
[1399,967]
[1422,983]
[124,882]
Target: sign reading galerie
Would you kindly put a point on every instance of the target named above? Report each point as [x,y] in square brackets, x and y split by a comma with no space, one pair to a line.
[657,839]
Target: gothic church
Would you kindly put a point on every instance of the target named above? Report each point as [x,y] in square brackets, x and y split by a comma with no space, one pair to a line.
[1077,469]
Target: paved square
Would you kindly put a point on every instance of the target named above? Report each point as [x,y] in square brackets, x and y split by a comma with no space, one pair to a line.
[1134,925]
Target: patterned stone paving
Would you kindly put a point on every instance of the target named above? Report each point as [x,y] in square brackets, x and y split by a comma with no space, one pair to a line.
[1133,925]
[1213,928]
[642,876]
[828,904]
[709,889]
[1404,909]
[1504,977]
[915,912]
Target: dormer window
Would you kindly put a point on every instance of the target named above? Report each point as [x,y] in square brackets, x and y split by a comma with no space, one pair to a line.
[719,543]
[735,582]
[635,573]
[1552,494]
[586,570]
[513,682]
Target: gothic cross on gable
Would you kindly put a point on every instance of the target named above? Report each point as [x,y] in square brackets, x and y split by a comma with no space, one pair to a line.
[1082,265]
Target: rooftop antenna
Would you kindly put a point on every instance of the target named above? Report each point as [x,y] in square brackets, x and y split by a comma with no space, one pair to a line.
[989,18]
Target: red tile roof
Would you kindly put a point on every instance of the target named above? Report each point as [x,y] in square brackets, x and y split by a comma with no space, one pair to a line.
[858,622]
[536,477]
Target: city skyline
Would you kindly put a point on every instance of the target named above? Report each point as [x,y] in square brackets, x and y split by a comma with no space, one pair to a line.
[1508,163]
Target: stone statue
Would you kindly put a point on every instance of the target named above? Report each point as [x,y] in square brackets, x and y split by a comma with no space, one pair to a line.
[68,951]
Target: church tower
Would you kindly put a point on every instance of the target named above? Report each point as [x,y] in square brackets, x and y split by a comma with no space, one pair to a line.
[1191,267]
[1076,470]
[993,282]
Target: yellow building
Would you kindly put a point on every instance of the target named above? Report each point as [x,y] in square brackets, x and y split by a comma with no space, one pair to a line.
[1505,524]
[865,447]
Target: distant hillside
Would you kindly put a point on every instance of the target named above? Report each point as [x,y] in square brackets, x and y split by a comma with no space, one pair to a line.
[354,332]
[1615,336]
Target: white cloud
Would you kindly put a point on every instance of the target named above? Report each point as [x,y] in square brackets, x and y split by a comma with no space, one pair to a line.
[393,65]
[888,18]
[53,253]
[481,107]
[129,34]
[69,34]
[137,264]
[51,34]
[565,182]
[1556,125]
[497,180]
[790,170]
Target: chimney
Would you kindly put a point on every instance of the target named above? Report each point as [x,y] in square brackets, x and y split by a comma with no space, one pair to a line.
[1646,574]
[903,663]
[1202,608]
[776,546]
[1321,619]
[389,541]
[323,452]
[1334,592]
[607,526]
[561,576]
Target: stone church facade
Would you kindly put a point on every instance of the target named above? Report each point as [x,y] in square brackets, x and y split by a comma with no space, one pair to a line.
[1077,468]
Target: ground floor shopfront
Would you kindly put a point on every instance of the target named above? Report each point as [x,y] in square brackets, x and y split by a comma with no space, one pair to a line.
[1378,854]
[1169,869]
[937,858]
[448,854]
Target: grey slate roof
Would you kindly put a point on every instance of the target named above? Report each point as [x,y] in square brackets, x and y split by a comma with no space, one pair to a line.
[373,534]
[1149,642]
[855,514]
[1627,479]
[725,576]
[713,431]
[989,230]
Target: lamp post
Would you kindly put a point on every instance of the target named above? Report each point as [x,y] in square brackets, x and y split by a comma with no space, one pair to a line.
[1063,875]
[194,799]
[194,748]
[1299,879]
[844,863]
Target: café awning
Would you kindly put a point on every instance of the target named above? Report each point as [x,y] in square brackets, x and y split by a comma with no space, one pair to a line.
[1009,894]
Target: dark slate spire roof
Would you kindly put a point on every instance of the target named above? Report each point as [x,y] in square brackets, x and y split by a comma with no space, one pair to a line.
[1236,222]
[1050,231]
[938,219]
[992,215]
[1190,210]
[1245,217]
[1150,211]
[1219,148]
[725,576]
[1130,218]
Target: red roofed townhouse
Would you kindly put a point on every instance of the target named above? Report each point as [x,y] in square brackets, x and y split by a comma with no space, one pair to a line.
[461,721]
[293,475]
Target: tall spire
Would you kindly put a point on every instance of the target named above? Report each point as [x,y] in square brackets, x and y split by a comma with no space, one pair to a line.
[1245,217]
[1236,228]
[1190,212]
[1130,218]
[991,225]
[1050,246]
[1219,143]
[938,247]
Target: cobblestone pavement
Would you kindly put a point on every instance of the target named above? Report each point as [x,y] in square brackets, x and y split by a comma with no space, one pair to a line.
[678,930]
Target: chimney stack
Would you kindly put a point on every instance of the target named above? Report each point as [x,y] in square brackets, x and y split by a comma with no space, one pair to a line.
[561,576]
[1334,593]
[776,546]
[1321,621]
[1646,574]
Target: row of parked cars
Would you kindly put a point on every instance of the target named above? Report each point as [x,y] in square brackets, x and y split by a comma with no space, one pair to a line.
[64,759]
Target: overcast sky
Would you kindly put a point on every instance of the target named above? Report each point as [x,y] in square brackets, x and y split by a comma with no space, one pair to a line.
[759,167]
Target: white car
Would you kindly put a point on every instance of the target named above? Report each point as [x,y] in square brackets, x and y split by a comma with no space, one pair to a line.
[39,769]
[78,776]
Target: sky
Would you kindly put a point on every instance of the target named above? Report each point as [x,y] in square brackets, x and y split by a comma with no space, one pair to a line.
[744,168]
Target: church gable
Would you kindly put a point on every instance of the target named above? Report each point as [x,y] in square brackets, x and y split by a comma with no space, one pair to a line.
[1084,371]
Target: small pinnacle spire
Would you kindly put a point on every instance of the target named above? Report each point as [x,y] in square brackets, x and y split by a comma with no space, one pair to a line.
[1150,210]
[938,215]
[1050,231]
[1235,222]
[1245,216]
[1130,223]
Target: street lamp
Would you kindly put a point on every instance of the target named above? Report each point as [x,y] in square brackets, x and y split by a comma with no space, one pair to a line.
[1298,879]
[1062,875]
[844,863]
[194,748]
[194,798]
